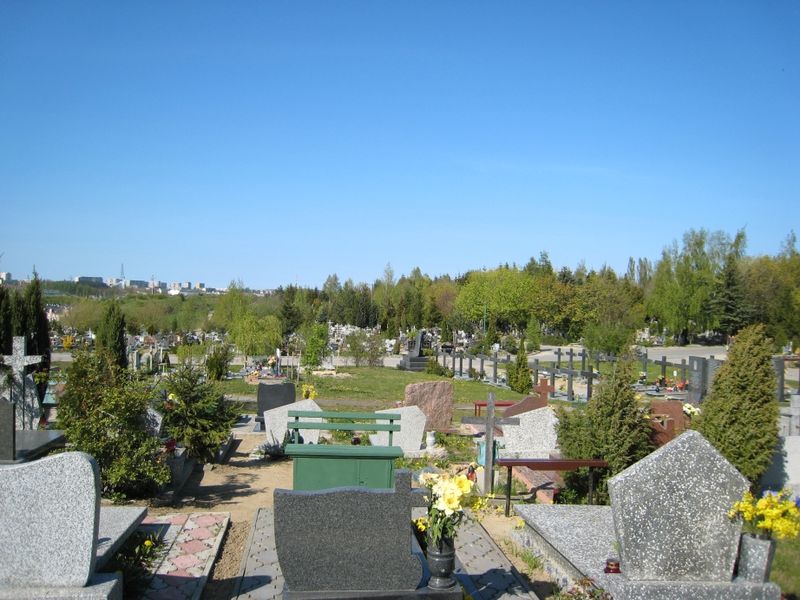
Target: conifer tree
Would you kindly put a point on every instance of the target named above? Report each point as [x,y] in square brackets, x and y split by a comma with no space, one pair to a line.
[612,427]
[110,339]
[37,332]
[740,415]
[519,375]
[5,321]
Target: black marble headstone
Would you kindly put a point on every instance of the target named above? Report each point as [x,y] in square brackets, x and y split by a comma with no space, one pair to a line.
[7,431]
[273,395]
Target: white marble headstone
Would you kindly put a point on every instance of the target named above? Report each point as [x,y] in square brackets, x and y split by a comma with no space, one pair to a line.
[275,421]
[412,429]
[534,437]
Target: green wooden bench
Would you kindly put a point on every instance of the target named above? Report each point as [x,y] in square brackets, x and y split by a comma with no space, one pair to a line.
[323,466]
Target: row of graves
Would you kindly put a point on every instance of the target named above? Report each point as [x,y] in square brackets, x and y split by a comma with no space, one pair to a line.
[60,540]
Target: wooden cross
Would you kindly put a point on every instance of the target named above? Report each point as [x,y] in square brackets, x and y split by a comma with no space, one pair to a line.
[17,360]
[663,362]
[489,422]
[558,357]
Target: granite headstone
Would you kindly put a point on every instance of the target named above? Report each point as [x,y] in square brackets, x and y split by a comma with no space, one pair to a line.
[412,430]
[153,421]
[534,437]
[276,419]
[435,400]
[274,395]
[348,538]
[670,513]
[49,511]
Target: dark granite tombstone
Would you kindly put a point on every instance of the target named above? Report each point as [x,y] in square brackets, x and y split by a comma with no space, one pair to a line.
[349,542]
[698,378]
[275,395]
[7,431]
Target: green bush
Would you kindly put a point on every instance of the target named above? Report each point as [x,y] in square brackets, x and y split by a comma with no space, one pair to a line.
[434,368]
[740,415]
[519,373]
[103,413]
[611,427]
[218,361]
[196,414]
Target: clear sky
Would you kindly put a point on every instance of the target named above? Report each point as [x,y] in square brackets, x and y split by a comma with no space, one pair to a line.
[279,142]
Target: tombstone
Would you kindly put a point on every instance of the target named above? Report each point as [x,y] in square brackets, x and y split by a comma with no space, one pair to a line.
[23,388]
[534,437]
[275,421]
[412,430]
[435,400]
[8,448]
[494,367]
[152,422]
[663,363]
[698,373]
[350,542]
[528,403]
[673,420]
[274,395]
[670,513]
[49,522]
[669,522]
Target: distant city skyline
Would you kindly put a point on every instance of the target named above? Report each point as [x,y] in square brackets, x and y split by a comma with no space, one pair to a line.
[278,144]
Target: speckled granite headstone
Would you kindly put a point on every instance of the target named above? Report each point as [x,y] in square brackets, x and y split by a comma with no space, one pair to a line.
[534,437]
[49,513]
[347,538]
[412,429]
[275,421]
[670,513]
[435,399]
[153,420]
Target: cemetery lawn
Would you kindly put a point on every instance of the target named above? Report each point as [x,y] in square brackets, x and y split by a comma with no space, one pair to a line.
[785,570]
[382,386]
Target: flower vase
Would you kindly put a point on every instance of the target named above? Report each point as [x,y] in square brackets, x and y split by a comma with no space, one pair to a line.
[755,558]
[442,562]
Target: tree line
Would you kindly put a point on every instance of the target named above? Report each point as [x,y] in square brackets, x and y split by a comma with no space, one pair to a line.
[705,283]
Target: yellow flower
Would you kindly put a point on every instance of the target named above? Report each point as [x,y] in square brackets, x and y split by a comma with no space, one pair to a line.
[148,543]
[172,397]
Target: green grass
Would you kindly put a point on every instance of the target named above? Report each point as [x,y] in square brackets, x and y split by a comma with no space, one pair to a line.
[785,571]
[237,386]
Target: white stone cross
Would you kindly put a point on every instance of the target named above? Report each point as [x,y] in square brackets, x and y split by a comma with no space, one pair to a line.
[18,361]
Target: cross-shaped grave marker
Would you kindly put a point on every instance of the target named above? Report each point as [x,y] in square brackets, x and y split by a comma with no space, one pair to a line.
[543,389]
[489,422]
[663,363]
[18,361]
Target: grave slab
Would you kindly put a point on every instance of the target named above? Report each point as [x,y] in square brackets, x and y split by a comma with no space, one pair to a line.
[116,525]
[412,429]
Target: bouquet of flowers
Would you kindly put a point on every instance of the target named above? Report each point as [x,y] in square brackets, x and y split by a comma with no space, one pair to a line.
[775,513]
[447,496]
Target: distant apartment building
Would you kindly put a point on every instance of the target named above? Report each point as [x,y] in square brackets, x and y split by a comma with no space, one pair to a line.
[5,277]
[137,283]
[199,286]
[89,280]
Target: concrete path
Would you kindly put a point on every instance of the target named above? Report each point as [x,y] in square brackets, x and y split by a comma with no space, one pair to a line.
[191,543]
[483,570]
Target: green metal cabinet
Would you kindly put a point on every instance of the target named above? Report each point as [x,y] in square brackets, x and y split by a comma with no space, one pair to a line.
[318,467]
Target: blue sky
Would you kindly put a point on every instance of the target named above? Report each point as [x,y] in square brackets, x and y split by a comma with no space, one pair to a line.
[279,142]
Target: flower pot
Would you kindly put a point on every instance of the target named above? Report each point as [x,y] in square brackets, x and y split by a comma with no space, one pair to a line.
[442,562]
[755,558]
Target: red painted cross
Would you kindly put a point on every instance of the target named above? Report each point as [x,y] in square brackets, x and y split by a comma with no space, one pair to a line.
[544,390]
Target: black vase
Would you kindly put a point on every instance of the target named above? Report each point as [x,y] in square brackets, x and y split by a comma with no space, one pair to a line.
[442,562]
